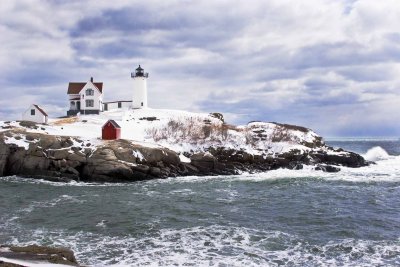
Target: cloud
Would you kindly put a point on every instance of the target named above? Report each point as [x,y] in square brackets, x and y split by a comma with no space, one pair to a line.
[327,64]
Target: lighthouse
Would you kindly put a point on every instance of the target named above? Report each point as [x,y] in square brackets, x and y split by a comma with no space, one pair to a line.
[139,88]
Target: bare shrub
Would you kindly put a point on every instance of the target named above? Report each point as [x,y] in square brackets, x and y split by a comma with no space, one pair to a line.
[282,134]
[191,130]
[293,127]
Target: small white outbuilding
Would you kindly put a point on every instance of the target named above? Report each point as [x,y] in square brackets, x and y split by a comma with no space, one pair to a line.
[36,114]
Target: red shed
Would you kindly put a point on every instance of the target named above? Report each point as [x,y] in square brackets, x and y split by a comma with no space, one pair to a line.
[111,130]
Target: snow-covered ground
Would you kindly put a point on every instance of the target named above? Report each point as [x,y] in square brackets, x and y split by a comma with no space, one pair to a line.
[180,131]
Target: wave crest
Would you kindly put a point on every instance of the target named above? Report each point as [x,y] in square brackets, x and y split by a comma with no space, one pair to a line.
[376,153]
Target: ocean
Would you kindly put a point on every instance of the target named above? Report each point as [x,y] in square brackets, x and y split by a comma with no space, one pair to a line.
[277,218]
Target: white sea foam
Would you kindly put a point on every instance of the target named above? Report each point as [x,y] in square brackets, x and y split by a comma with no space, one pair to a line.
[26,180]
[51,203]
[222,246]
[376,153]
[101,224]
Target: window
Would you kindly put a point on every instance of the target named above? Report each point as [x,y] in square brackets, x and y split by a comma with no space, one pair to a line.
[142,104]
[119,105]
[89,92]
[105,106]
[32,112]
[90,103]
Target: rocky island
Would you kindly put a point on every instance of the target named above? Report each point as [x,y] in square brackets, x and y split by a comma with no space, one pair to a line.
[160,144]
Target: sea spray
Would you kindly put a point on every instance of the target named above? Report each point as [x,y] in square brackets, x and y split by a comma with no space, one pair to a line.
[376,153]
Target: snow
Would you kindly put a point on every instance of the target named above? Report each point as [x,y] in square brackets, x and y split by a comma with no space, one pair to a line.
[138,155]
[20,141]
[183,158]
[180,131]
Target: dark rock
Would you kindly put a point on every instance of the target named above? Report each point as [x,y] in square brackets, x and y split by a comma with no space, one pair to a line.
[327,168]
[77,156]
[348,159]
[154,155]
[58,154]
[217,115]
[4,153]
[28,124]
[295,166]
[166,172]
[160,164]
[155,171]
[112,169]
[140,168]
[204,162]
[47,141]
[189,168]
[139,176]
[223,154]
[41,253]
[72,170]
[29,137]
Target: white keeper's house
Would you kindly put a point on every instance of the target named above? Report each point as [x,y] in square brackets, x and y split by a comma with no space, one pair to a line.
[87,97]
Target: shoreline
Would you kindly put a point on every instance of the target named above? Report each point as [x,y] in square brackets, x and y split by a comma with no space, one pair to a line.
[64,158]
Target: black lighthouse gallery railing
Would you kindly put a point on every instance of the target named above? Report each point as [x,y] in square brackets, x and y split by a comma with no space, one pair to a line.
[138,74]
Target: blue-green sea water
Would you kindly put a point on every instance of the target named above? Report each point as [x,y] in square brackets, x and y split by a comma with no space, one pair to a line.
[278,218]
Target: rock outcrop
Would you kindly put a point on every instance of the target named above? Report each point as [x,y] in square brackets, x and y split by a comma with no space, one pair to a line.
[34,253]
[62,158]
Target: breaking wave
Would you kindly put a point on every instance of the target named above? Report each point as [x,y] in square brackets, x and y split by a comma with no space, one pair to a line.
[377,153]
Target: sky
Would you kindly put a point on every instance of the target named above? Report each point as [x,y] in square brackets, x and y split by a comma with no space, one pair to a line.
[329,65]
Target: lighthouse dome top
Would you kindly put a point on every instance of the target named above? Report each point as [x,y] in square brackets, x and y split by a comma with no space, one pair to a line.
[139,72]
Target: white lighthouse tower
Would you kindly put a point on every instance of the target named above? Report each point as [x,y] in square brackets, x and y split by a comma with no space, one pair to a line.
[139,88]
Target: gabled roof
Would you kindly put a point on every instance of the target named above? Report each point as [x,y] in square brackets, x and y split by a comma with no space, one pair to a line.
[41,110]
[75,88]
[113,123]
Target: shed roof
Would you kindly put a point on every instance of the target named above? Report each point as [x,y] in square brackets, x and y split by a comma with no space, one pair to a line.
[40,109]
[113,123]
[75,88]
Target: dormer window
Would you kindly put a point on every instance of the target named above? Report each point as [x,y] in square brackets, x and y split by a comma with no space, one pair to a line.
[89,92]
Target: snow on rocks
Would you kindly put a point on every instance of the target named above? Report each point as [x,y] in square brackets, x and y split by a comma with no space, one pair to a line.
[18,140]
[138,155]
[183,158]
[181,131]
